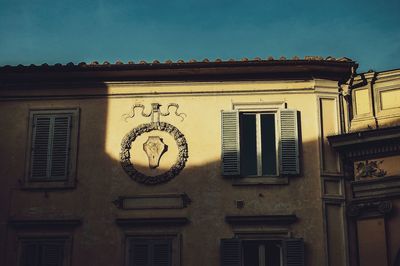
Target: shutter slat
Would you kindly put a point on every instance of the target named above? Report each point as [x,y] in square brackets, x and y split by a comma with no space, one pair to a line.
[162,253]
[139,253]
[50,146]
[294,252]
[230,143]
[40,146]
[60,146]
[231,252]
[288,145]
[52,254]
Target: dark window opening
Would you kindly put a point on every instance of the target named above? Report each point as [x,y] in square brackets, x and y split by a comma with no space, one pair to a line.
[258,144]
[262,253]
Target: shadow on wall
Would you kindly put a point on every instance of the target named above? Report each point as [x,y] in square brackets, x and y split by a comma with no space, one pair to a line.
[101,180]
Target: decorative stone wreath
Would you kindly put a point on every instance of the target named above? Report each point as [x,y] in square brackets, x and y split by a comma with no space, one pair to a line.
[125,154]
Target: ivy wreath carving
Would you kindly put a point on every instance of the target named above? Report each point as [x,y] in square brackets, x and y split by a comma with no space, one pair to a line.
[125,155]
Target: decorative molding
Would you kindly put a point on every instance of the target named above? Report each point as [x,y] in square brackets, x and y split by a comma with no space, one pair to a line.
[161,221]
[369,209]
[25,223]
[262,219]
[155,111]
[170,201]
[367,144]
[385,187]
[162,178]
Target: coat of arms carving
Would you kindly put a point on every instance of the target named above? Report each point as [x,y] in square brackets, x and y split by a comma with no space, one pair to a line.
[154,147]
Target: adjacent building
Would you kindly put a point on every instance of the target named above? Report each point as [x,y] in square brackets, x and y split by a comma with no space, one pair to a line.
[251,162]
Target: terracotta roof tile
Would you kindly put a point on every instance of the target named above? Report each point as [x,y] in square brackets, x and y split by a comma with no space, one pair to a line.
[180,61]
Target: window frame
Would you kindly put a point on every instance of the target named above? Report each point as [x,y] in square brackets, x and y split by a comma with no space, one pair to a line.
[267,107]
[292,249]
[259,138]
[175,242]
[265,240]
[66,240]
[47,183]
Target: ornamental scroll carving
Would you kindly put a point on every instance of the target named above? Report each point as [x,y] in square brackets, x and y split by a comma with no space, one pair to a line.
[375,208]
[154,146]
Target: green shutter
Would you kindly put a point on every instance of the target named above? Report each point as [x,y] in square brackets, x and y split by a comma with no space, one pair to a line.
[294,252]
[50,146]
[231,252]
[161,253]
[289,142]
[230,143]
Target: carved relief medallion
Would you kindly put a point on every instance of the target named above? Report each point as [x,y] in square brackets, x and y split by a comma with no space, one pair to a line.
[154,148]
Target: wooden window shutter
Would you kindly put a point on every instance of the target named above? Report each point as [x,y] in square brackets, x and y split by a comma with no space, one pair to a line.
[29,255]
[294,252]
[230,143]
[41,141]
[52,254]
[139,252]
[60,146]
[231,252]
[161,253]
[50,146]
[289,142]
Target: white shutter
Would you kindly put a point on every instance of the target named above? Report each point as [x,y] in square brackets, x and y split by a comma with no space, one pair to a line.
[289,142]
[230,143]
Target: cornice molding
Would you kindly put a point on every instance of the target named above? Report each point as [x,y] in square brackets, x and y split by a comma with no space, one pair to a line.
[159,221]
[286,219]
[43,223]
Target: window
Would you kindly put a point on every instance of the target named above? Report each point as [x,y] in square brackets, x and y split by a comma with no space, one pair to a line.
[258,143]
[38,252]
[53,146]
[152,251]
[268,252]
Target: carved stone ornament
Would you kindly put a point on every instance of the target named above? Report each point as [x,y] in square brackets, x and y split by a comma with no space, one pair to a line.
[369,208]
[125,154]
[154,148]
[369,169]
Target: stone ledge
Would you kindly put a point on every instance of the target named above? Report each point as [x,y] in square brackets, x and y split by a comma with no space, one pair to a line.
[262,219]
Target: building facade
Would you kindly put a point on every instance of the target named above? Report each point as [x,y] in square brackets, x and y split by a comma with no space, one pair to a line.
[198,163]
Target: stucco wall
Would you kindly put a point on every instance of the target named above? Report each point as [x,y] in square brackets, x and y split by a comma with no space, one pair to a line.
[101,179]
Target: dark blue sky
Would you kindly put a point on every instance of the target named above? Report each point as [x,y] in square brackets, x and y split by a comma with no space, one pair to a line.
[51,31]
